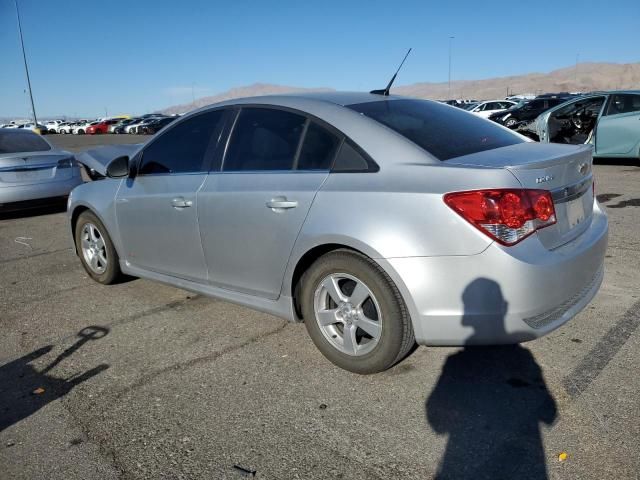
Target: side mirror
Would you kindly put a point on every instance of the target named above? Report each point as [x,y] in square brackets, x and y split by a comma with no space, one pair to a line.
[118,167]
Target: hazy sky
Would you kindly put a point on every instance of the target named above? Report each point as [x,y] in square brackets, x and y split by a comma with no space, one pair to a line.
[136,56]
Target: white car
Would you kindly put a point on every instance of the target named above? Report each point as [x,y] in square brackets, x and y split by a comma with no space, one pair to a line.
[81,128]
[53,125]
[133,127]
[486,108]
[66,127]
[33,127]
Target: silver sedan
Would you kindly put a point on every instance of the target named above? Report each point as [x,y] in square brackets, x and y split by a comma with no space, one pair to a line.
[32,171]
[379,221]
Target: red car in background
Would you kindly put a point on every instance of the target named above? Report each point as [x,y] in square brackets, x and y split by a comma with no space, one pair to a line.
[102,127]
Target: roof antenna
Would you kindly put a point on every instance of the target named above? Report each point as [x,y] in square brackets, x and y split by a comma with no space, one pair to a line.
[385,92]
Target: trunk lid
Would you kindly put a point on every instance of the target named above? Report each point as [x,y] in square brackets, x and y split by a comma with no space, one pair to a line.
[564,170]
[98,159]
[34,167]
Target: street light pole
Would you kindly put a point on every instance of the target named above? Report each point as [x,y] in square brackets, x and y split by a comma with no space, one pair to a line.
[449,87]
[26,68]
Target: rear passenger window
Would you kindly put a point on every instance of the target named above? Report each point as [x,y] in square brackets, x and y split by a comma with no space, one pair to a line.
[349,160]
[318,149]
[182,149]
[264,139]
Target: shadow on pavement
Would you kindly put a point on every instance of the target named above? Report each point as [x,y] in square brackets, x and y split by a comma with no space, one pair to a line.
[24,390]
[628,162]
[29,210]
[490,402]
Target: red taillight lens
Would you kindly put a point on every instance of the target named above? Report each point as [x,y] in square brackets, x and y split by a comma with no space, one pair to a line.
[506,215]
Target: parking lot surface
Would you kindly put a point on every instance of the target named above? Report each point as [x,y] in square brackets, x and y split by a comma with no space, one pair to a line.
[140,380]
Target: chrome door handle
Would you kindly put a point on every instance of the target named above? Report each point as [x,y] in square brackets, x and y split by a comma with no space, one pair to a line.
[180,202]
[281,203]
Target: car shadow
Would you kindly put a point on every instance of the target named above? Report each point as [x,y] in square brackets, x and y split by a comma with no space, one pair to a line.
[35,211]
[25,389]
[625,162]
[490,402]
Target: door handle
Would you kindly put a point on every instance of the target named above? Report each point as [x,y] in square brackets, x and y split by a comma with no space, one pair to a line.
[180,202]
[281,203]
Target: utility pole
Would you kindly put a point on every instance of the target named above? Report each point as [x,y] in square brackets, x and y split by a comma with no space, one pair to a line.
[26,68]
[449,88]
[193,93]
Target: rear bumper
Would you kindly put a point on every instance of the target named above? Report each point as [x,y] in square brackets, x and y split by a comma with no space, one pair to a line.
[23,193]
[504,294]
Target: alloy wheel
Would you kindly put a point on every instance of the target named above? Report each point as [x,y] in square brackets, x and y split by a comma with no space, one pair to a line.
[348,314]
[94,250]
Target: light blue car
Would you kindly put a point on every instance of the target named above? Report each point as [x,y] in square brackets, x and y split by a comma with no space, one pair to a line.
[610,121]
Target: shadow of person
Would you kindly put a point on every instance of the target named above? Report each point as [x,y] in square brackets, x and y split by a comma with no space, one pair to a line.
[490,400]
[24,389]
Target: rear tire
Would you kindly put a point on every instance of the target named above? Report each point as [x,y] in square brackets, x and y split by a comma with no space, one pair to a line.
[368,329]
[95,249]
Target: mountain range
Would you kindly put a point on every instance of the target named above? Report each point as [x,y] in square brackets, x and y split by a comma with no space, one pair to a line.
[584,77]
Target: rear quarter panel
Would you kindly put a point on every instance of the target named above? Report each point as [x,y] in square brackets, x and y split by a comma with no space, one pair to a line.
[397,212]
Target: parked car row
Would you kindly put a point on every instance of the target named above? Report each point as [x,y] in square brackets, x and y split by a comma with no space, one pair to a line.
[26,126]
[147,124]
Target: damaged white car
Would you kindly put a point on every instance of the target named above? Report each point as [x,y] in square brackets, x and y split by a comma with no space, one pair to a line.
[610,121]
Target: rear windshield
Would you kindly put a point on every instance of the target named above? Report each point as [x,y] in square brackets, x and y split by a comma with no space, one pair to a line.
[16,142]
[443,131]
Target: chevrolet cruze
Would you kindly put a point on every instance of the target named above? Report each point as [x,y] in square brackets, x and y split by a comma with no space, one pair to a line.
[380,221]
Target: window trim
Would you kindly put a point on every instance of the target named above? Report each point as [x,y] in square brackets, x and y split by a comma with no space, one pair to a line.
[209,153]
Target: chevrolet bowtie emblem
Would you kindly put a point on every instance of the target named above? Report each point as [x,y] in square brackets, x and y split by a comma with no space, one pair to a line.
[583,167]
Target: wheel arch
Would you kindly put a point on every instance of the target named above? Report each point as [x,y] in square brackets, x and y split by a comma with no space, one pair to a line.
[314,253]
[80,208]
[75,214]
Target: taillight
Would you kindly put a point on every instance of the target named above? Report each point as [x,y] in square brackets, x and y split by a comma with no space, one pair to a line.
[506,215]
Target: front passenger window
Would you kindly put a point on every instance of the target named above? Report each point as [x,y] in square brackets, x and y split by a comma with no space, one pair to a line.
[183,148]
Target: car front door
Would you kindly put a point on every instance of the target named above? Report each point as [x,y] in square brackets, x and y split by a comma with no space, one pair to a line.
[618,130]
[250,212]
[157,209]
[488,109]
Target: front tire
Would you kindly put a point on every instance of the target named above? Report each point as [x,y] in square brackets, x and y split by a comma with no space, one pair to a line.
[354,313]
[95,249]
[510,123]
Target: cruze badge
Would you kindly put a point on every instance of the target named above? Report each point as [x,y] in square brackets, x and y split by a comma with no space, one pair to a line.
[546,178]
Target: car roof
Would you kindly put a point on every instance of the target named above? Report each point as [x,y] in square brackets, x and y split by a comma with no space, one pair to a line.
[333,97]
[329,106]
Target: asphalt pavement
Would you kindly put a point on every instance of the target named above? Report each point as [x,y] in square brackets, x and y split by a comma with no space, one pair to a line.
[140,380]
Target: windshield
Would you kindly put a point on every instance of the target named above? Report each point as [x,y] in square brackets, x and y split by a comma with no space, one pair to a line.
[521,103]
[23,141]
[442,131]
[471,106]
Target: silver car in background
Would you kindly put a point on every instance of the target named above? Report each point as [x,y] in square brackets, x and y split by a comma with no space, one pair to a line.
[379,221]
[32,171]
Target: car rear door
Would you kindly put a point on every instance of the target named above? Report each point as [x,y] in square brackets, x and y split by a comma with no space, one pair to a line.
[157,209]
[251,211]
[618,130]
